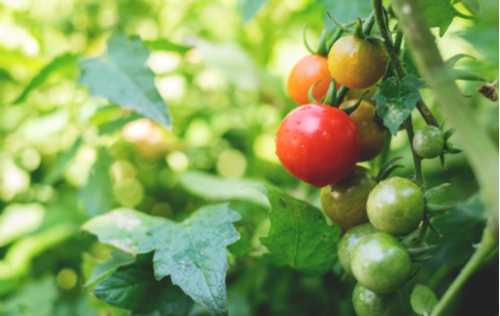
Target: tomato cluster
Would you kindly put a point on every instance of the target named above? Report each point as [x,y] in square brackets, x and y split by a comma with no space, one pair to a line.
[322,143]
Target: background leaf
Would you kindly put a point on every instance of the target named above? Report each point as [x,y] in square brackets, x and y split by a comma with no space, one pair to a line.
[123,77]
[249,8]
[438,13]
[97,192]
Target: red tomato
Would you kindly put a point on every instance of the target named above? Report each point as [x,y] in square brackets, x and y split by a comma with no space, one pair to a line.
[310,70]
[318,144]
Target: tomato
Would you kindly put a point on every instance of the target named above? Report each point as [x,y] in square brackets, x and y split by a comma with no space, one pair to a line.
[368,303]
[372,135]
[310,70]
[350,239]
[357,63]
[345,201]
[380,263]
[318,144]
[395,206]
[428,142]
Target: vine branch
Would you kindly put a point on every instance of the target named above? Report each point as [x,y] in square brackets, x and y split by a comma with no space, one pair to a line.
[476,145]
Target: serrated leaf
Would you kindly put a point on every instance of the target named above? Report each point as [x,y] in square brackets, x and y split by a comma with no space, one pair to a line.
[56,64]
[134,287]
[292,220]
[396,99]
[422,300]
[299,236]
[62,162]
[438,13]
[97,193]
[249,8]
[121,75]
[104,269]
[193,254]
[125,229]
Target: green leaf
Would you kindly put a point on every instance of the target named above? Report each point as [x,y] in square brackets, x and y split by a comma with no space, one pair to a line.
[167,45]
[422,300]
[249,8]
[396,99]
[60,62]
[62,162]
[438,13]
[122,76]
[215,188]
[134,287]
[472,5]
[36,298]
[125,229]
[300,236]
[192,253]
[106,268]
[345,11]
[439,197]
[97,192]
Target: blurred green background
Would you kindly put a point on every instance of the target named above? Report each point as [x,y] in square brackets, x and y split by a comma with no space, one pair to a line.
[66,156]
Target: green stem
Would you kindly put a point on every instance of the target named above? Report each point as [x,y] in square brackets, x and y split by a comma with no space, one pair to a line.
[487,244]
[400,73]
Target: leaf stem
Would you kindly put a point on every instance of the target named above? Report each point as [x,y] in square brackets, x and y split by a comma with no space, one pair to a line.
[487,244]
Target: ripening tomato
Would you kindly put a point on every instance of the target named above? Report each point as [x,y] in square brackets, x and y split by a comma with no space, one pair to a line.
[310,70]
[357,63]
[318,144]
[372,135]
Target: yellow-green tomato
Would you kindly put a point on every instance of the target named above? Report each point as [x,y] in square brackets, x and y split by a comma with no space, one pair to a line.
[350,239]
[357,63]
[429,142]
[379,262]
[395,206]
[345,202]
[368,303]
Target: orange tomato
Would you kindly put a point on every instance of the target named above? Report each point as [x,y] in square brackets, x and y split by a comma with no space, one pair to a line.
[310,70]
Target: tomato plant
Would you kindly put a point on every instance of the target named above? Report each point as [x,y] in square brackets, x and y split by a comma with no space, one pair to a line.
[248,157]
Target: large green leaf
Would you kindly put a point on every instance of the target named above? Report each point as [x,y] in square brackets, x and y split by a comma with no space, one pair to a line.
[192,253]
[122,76]
[134,287]
[396,99]
[97,193]
[104,269]
[299,236]
[58,63]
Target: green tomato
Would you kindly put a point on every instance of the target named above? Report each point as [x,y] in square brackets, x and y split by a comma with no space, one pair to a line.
[368,303]
[395,206]
[345,202]
[350,239]
[380,263]
[428,142]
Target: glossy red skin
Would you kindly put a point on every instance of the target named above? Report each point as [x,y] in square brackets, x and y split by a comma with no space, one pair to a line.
[308,71]
[318,144]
